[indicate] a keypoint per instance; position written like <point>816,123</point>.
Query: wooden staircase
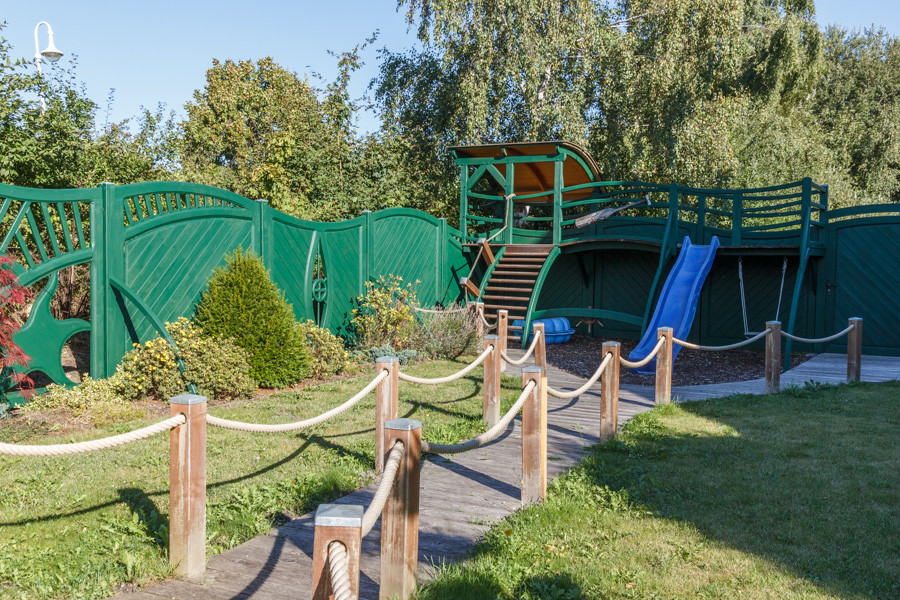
<point>512,282</point>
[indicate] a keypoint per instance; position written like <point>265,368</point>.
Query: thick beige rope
<point>488,436</point>
<point>646,359</point>
<point>281,427</point>
<point>820,340</point>
<point>388,478</point>
<point>759,335</point>
<point>339,569</point>
<point>459,374</point>
<point>440,310</point>
<point>487,325</point>
<point>89,446</point>
<point>586,386</point>
<point>522,360</point>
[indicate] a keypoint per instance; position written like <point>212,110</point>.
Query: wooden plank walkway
<point>462,495</point>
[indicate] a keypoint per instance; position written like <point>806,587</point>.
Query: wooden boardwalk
<point>462,495</point>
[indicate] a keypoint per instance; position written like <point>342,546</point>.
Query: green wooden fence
<point>151,248</point>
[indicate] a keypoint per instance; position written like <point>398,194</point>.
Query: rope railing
<point>520,361</point>
<point>587,385</point>
<point>486,437</point>
<point>305,424</point>
<point>734,346</point>
<point>388,478</point>
<point>830,338</point>
<point>458,375</point>
<point>640,363</point>
<point>487,324</point>
<point>436,311</point>
<point>92,445</point>
<point>339,570</point>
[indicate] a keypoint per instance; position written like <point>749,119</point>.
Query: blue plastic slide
<point>678,301</point>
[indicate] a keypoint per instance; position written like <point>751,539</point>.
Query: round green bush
<point>218,367</point>
<point>242,303</point>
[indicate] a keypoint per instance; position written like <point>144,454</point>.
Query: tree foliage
<point>705,92</point>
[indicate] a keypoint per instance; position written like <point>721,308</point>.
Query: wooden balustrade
<point>187,486</point>
<point>386,403</point>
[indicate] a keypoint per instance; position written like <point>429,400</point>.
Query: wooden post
<point>534,438</point>
<point>479,319</point>
<point>187,486</point>
<point>540,351</point>
<point>400,519</point>
<point>492,381</point>
<point>503,333</point>
<point>336,523</point>
<point>773,357</point>
<point>854,350</point>
<point>664,367</point>
<point>386,403</point>
<point>609,392</point>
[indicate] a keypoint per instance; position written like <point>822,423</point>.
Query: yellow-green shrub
<point>384,315</point>
<point>99,398</point>
<point>327,353</point>
<point>218,367</point>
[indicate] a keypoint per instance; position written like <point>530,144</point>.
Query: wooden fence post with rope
<point>609,392</point>
<point>187,486</point>
<point>479,319</point>
<point>492,380</point>
<point>534,437</point>
<point>503,332</point>
<point>773,357</point>
<point>540,351</point>
<point>400,519</point>
<point>664,367</point>
<point>339,524</point>
<point>386,403</point>
<point>854,349</point>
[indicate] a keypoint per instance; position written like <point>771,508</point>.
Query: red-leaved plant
<point>12,298</point>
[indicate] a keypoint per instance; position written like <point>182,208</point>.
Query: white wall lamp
<point>51,53</point>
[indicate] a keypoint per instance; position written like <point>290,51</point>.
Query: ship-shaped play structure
<point>546,238</point>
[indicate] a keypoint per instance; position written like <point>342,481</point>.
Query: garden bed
<point>581,355</point>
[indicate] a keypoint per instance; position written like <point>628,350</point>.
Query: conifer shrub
<point>243,304</point>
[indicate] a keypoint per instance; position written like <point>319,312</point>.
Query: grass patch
<point>79,526</point>
<point>789,496</point>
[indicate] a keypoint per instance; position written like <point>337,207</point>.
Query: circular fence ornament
<point>319,290</point>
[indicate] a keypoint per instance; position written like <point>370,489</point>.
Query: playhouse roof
<point>537,176</point>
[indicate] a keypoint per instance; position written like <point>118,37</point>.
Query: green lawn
<point>793,496</point>
<point>75,527</point>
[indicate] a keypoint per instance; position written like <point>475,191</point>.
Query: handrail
<point>91,445</point>
<point>388,478</point>
<point>488,436</point>
<point>835,336</point>
<point>282,427</point>
<point>520,361</point>
<point>339,570</point>
<point>638,364</point>
<point>587,385</point>
<point>458,375</point>
<point>734,346</point>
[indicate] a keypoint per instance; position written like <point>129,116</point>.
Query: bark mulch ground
<point>581,355</point>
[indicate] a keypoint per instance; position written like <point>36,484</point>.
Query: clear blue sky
<point>159,51</point>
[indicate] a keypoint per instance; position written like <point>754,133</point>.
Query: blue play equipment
<point>557,330</point>
<point>677,303</point>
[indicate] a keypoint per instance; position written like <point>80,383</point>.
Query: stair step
<point>501,288</point>
<point>520,265</point>
<point>517,273</point>
<point>501,297</point>
<point>500,280</point>
<point>503,306</point>
<point>523,259</point>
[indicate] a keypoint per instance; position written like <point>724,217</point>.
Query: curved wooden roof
<point>535,177</point>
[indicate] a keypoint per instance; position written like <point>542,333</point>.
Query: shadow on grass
<point>808,482</point>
